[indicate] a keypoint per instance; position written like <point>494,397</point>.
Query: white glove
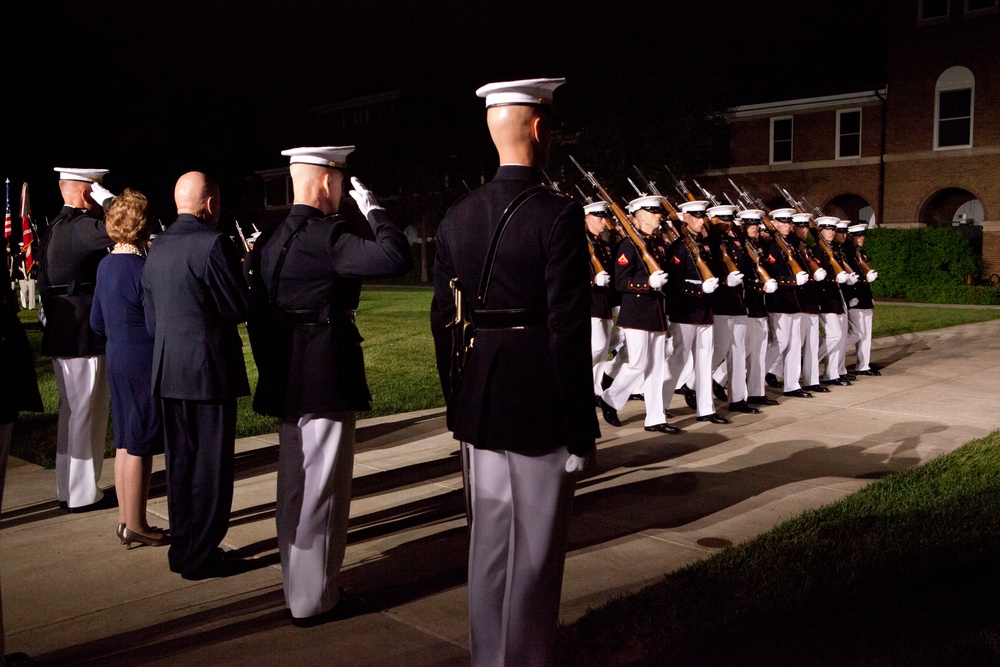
<point>771,286</point>
<point>99,193</point>
<point>852,279</point>
<point>842,277</point>
<point>581,463</point>
<point>734,279</point>
<point>710,285</point>
<point>363,196</point>
<point>871,276</point>
<point>853,303</point>
<point>657,279</point>
<point>602,279</point>
<point>820,274</point>
<point>801,278</point>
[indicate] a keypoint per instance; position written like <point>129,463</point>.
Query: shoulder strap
<point>515,204</point>
<point>272,296</point>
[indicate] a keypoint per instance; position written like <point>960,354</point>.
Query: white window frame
<point>791,140</point>
<point>980,12</point>
<point>934,19</point>
<point>840,112</point>
<point>954,78</point>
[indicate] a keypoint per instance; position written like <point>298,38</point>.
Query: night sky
<point>150,89</point>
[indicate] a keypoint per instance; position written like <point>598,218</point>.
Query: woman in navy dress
<point>118,314</point>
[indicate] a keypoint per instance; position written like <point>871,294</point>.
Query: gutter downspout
<point>881,160</point>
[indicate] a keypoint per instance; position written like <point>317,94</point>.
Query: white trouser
<point>315,467</point>
<point>645,369</point>
<point>27,293</point>
<point>756,344</point>
<point>784,350</point>
<point>730,332</point>
<point>810,349</point>
<point>600,339</point>
<point>84,400</point>
<point>844,325</point>
<point>860,337</point>
<point>522,503</point>
<point>831,348</point>
<point>694,341</point>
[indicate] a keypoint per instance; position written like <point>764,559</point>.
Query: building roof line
<point>807,103</point>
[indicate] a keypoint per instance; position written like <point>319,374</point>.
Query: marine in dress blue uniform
<point>73,246</point>
<point>195,297</point>
<point>603,296</point>
<point>831,307</point>
<point>809,299</point>
<point>305,278</point>
<point>860,302</point>
<point>525,405</point>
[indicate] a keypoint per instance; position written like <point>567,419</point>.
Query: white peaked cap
<point>780,213</point>
<point>827,221</point>
<point>857,229</point>
<point>325,156</point>
<point>802,217</point>
<point>651,201</point>
<point>524,91</point>
<point>597,207</point>
<point>750,214</point>
<point>85,175</point>
<point>721,209</point>
<point>842,226</point>
<point>693,206</point>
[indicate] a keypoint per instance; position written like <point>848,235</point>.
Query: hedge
<point>929,262</point>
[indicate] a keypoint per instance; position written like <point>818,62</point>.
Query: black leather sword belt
<point>321,316</point>
<point>520,318</point>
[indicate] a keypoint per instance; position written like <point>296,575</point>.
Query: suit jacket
<point>305,342</point>
<point>74,244</point>
<point>195,297</point>
<point>642,307</point>
<point>529,388</point>
<point>688,303</point>
<point>858,295</point>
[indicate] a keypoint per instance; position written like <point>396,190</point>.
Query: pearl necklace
<point>129,248</point>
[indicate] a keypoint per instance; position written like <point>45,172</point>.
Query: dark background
<point>151,89</point>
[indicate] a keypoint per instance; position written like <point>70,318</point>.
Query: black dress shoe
<point>871,372</point>
<point>637,397</point>
<point>220,565</point>
<point>691,398</point>
<point>663,428</point>
<point>715,418</point>
<point>836,383</point>
<point>348,605</point>
<point>610,414</point>
<point>719,391</point>
<point>798,393</point>
<point>744,407</point>
<point>761,400</point>
<point>818,388</point>
<point>107,502</point>
<point>849,377</point>
<point>772,380</point>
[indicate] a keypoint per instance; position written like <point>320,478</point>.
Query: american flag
<point>6,221</point>
<point>27,230</point>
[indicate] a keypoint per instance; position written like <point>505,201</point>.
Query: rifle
<point>842,263</point>
<point>703,268</point>
<point>243,239</point>
<point>814,230</point>
<point>651,264</point>
<point>793,264</point>
<point>748,246</point>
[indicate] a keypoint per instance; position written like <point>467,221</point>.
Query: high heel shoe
<point>121,532</point>
<point>128,537</point>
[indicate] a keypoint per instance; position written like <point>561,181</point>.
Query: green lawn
<point>399,355</point>
<point>903,572</point>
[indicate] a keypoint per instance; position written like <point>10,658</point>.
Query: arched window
<point>953,105</point>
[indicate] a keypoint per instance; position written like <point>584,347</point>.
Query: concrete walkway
<point>74,595</point>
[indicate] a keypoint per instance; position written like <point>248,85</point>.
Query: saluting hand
<point>99,193</point>
<point>364,197</point>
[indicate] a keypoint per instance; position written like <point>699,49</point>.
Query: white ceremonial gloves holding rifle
<point>602,279</point>
<point>734,279</point>
<point>853,278</point>
<point>842,277</point>
<point>657,279</point>
<point>364,197</point>
<point>99,193</point>
<point>820,274</point>
<point>710,285</point>
<point>801,278</point>
<point>871,276</point>
<point>771,286</point>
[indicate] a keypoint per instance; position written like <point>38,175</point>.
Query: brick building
<point>923,149</point>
